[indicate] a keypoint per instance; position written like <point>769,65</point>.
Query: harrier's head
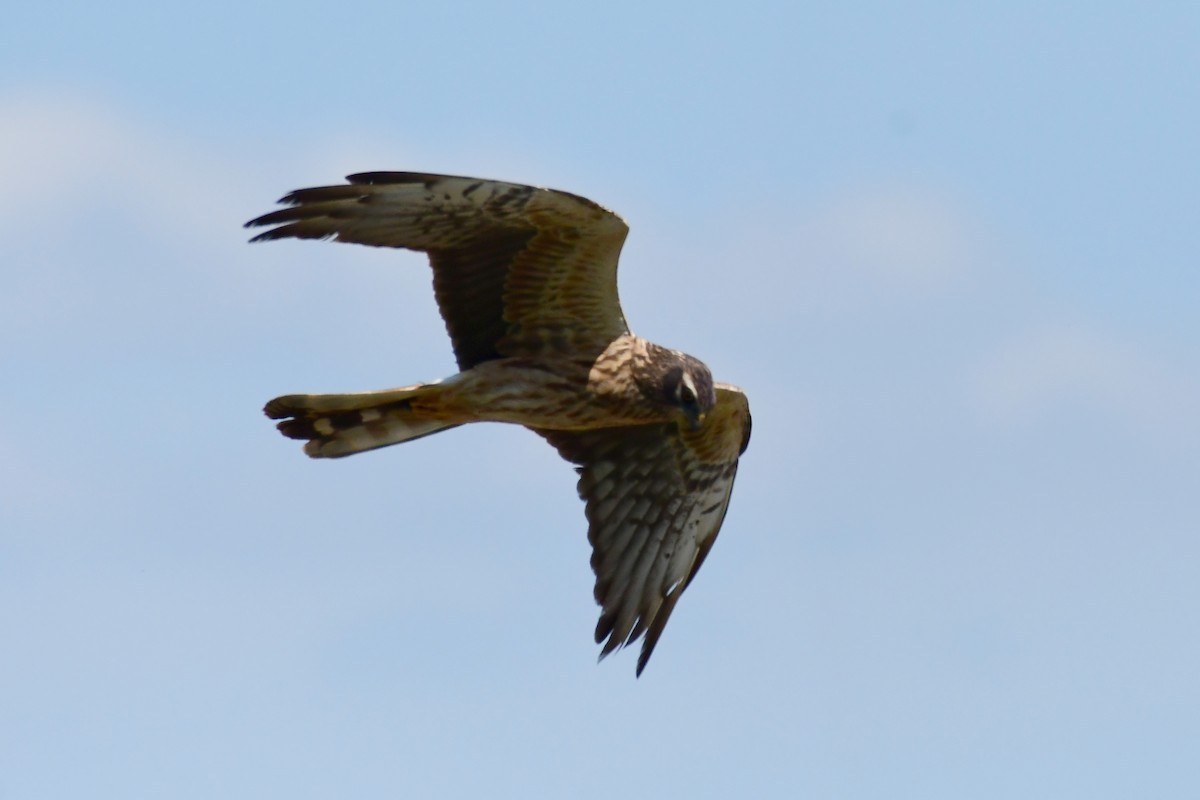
<point>686,384</point>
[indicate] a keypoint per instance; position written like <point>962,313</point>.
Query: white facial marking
<point>687,381</point>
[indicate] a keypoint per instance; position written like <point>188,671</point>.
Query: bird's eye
<point>686,396</point>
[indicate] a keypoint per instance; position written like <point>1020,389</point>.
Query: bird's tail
<point>336,425</point>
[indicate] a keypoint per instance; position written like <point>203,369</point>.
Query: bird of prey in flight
<point>526,281</point>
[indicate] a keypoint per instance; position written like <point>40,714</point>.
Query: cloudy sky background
<point>953,257</point>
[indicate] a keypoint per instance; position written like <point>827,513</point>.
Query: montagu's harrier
<point>526,280</point>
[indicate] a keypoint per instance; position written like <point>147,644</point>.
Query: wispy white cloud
<point>893,238</point>
<point>48,141</point>
<point>856,250</point>
<point>122,227</point>
<point>1075,369</point>
<point>102,209</point>
<point>60,150</point>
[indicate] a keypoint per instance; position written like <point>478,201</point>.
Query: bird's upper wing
<point>656,497</point>
<point>517,270</point>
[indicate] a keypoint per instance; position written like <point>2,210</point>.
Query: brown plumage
<point>525,279</point>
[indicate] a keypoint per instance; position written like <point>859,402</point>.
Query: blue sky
<point>950,254</point>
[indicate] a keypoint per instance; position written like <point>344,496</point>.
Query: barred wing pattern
<point>517,270</point>
<point>656,496</point>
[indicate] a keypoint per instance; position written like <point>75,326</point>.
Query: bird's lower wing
<point>656,497</point>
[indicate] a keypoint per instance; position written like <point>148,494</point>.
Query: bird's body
<point>526,281</point>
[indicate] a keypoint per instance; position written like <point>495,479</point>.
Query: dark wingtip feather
<point>603,628</point>
<point>259,221</point>
<point>270,218</point>
<point>302,229</point>
<point>289,214</point>
<point>303,204</point>
<point>283,406</point>
<point>655,631</point>
<point>265,236</point>
<point>647,650</point>
<point>301,429</point>
<point>372,178</point>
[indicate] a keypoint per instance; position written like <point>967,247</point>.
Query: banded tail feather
<point>337,425</point>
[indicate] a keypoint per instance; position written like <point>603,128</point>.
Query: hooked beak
<point>697,420</point>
